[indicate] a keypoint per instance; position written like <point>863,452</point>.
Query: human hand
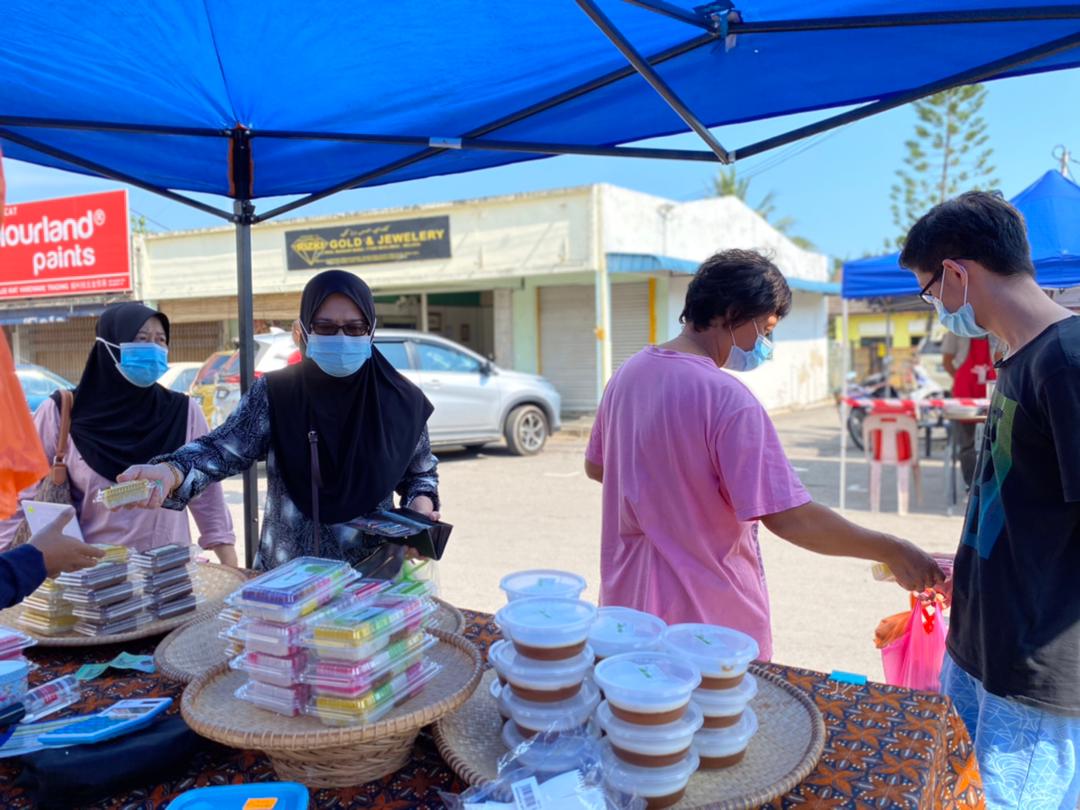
<point>162,475</point>
<point>425,506</point>
<point>914,569</point>
<point>63,554</point>
<point>226,555</point>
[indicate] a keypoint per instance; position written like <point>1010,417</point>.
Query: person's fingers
<point>130,474</point>
<point>92,552</point>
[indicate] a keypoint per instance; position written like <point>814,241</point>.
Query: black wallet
<point>406,527</point>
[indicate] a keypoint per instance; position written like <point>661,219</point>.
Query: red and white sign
<point>70,246</point>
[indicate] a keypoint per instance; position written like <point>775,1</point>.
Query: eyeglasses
<point>926,295</point>
<point>352,329</point>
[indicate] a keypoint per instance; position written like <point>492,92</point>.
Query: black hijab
<point>368,424</point>
<point>114,423</point>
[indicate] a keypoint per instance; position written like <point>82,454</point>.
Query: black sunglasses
<point>327,328</point>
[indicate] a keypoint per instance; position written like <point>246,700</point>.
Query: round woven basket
<point>302,749</point>
<point>197,647</point>
<point>212,583</point>
<point>786,749</point>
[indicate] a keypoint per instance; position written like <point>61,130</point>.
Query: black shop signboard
<point>402,240</point>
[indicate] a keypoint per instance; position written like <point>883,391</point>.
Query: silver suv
<point>476,402</point>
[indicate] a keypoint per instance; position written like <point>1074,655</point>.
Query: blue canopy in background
<point>1051,207</point>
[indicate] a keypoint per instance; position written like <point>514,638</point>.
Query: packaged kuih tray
<point>271,669</point>
<point>107,614</point>
<point>154,583</point>
<point>290,701</point>
<point>178,590</point>
<point>126,625</point>
<point>293,590</point>
<point>174,608</point>
<point>370,707</point>
<point>162,558</point>
<point>125,494</point>
<point>100,597</point>
<point>51,601</point>
<point>12,643</point>
<point>113,554</point>
<point>102,575</point>
<point>353,680</point>
<point>47,624</point>
<point>255,635</point>
<point>357,632</point>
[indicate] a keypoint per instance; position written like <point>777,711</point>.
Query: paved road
<point>512,513</point>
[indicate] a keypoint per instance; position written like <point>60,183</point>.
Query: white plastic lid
<point>547,623</point>
<point>725,742</point>
<point>543,676</point>
<point>620,630</point>
<point>648,682</point>
<point>12,670</point>
<point>727,702</point>
<point>557,754</point>
<point>654,741</point>
<point>565,715</point>
<point>719,652</point>
<point>648,783</point>
<point>542,582</point>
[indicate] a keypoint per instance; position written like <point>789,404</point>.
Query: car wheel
<point>526,430</point>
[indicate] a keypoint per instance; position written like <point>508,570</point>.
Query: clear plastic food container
<point>153,583</point>
<point>619,630</point>
<point>535,718</point>
<point>554,754</point>
<point>47,601</point>
<point>293,590</point>
<point>282,640</point>
<point>722,654</point>
<point>547,629</point>
<point>129,492</point>
<point>358,632</point>
<point>162,558</point>
<point>724,707</point>
<point>51,697</point>
<point>373,706</point>
<point>364,591</point>
<point>647,688</point>
<point>178,590</point>
<point>12,642</point>
<point>102,575</point>
<point>13,682</point>
<point>126,625</point>
<point>650,746</point>
<point>660,787</point>
<point>270,669</point>
<point>109,613</point>
<point>100,597</point>
<point>287,700</point>
<point>113,554</point>
<point>177,607</point>
<point>46,624</point>
<point>542,582</point>
<point>352,680</point>
<point>724,747</point>
<point>541,681</point>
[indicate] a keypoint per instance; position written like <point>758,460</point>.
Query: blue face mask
<point>339,355</point>
<point>962,322</point>
<point>141,364</point>
<point>742,360</point>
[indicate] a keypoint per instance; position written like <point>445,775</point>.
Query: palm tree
<point>727,183</point>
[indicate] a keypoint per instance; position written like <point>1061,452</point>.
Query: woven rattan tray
<point>197,647</point>
<point>212,582</point>
<point>304,750</point>
<point>785,750</point>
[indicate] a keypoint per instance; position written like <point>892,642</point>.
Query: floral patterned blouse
<point>287,532</point>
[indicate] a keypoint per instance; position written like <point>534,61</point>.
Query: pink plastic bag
<point>914,659</point>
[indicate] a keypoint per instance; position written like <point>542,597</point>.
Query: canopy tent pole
<point>845,365</point>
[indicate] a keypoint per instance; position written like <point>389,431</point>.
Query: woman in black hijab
<point>119,417</point>
<point>340,432</point>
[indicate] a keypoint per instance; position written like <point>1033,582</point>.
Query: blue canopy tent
<point>254,100</point>
<point>1051,208</point>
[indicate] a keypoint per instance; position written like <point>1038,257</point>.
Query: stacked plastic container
<point>368,655</point>
<point>104,600</point>
<point>46,612</point>
<point>722,656</point>
<point>544,664</point>
<point>164,575</point>
<point>271,610</point>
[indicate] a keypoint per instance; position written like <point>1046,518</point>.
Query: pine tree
<point>949,154</point>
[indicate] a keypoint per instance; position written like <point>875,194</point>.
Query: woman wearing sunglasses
<point>340,432</point>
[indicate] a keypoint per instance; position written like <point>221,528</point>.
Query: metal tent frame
<point>717,21</point>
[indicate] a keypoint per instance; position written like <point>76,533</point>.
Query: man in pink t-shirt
<point>690,462</point>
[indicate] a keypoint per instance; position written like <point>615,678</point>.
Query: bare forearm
<point>821,530</point>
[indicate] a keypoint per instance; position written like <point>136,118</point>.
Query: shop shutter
<point>629,321</point>
<point>194,342</point>
<point>568,344</point>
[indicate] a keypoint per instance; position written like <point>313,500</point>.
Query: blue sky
<point>836,186</point>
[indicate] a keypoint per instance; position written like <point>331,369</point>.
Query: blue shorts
<point>1029,758</point>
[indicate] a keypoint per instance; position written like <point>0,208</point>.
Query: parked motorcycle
<point>878,386</point>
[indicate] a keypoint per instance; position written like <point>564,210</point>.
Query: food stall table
<point>885,746</point>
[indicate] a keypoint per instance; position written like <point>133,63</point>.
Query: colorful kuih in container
<point>374,705</point>
<point>293,590</point>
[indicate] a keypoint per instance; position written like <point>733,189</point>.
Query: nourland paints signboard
<point>68,246</point>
